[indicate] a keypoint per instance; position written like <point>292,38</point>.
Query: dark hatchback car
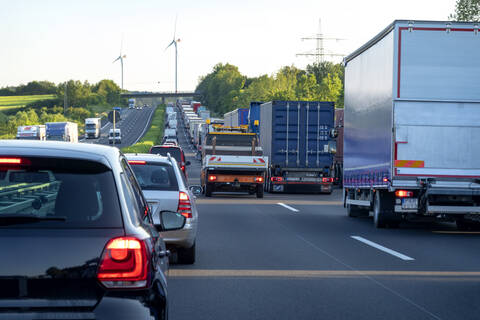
<point>174,151</point>
<point>76,236</point>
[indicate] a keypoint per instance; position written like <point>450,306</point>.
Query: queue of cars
<point>93,241</point>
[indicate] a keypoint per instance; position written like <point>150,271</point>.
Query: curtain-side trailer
<point>412,124</point>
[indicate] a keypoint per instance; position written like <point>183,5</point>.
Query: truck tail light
<point>212,178</point>
<point>123,264</point>
<point>403,194</point>
<point>327,179</point>
<point>184,205</point>
<point>258,179</point>
<point>276,179</point>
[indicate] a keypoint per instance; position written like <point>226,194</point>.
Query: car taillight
<point>212,178</point>
<point>278,179</point>
<point>403,194</point>
<point>183,168</point>
<point>327,179</point>
<point>124,264</point>
<point>184,205</point>
<point>258,179</point>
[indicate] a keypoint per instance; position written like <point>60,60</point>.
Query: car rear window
<point>155,176</point>
<point>163,151</point>
<point>57,193</point>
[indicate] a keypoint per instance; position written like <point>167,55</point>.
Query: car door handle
<point>165,253</point>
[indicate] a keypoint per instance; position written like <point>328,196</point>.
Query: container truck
<point>33,132</point>
<point>62,131</point>
<point>338,156</point>
<point>236,118</point>
<point>412,125</point>
<point>92,128</point>
<point>254,117</point>
<point>131,103</point>
<point>298,138</point>
<point>204,114</point>
<point>195,105</point>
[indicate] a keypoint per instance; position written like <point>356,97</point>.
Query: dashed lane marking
<point>287,206</point>
<point>382,248</point>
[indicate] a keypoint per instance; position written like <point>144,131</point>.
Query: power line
<point>320,52</point>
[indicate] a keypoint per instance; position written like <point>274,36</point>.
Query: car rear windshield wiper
<point>9,219</point>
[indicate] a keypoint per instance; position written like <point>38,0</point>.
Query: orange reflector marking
<point>409,164</point>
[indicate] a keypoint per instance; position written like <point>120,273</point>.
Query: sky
<point>59,40</point>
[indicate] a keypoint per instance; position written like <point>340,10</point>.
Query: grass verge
<point>153,136</point>
<point>16,102</point>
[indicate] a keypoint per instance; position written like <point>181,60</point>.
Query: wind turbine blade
<point>175,28</point>
<point>173,42</point>
<point>119,57</point>
<point>121,45</point>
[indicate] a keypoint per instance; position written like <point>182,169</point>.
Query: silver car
<point>164,186</point>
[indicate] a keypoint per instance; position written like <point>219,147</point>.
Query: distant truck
<point>92,128</point>
<point>298,138</point>
<point>233,162</point>
<point>62,131</point>
<point>338,156</point>
<point>412,125</point>
<point>33,132</point>
<point>119,113</point>
<point>131,103</point>
<point>236,118</point>
<point>254,117</point>
<point>115,136</point>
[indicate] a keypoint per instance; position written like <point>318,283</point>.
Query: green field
<point>16,102</point>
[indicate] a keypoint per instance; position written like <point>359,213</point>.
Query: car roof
<point>88,151</point>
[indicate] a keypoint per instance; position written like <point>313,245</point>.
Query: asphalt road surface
<point>133,124</point>
<point>293,256</point>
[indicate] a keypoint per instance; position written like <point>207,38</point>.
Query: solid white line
<point>288,207</point>
<point>382,248</point>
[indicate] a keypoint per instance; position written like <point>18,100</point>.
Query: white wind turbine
<point>121,57</point>
<point>174,42</point>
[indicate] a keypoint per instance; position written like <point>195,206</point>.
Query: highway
<point>133,124</point>
<point>294,256</point>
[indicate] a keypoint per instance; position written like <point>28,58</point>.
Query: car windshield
<point>156,176</point>
<point>58,193</point>
<point>163,151</point>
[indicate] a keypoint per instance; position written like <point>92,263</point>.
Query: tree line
<point>84,100</point>
<point>225,88</point>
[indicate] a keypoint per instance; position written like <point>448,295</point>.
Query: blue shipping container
<point>242,116</point>
<point>296,134</point>
<point>253,115</point>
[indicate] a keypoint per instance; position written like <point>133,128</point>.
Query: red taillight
<point>124,264</point>
<point>137,162</point>
<point>278,179</point>
<point>327,179</point>
<point>184,205</point>
<point>403,194</point>
<point>385,179</point>
<point>258,179</point>
<point>183,168</point>
<point>10,161</point>
<point>212,178</point>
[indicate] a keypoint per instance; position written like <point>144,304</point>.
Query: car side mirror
<point>170,220</point>
<point>187,163</point>
<point>196,190</point>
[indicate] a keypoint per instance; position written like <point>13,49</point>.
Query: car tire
<point>208,190</point>
<point>186,255</point>
<point>259,191</point>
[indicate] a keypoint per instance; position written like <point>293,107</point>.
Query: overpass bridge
<point>163,95</point>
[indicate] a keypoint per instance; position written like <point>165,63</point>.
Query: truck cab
<point>115,136</point>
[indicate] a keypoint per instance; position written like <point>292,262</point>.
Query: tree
<point>466,10</point>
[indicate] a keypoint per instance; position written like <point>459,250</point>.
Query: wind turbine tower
<point>121,57</point>
<point>174,42</point>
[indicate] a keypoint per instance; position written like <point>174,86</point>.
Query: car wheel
<point>208,190</point>
<point>186,255</point>
<point>259,191</point>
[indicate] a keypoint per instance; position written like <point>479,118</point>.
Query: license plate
<point>410,203</point>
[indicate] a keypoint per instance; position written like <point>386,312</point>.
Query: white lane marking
<point>146,126</point>
<point>382,248</point>
<point>288,207</point>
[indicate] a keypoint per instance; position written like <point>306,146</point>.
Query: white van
<point>115,139</point>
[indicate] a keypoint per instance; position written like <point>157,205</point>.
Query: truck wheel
<point>383,210</point>
<point>465,224</point>
<point>208,189</point>
<point>259,191</point>
<point>186,255</point>
<point>354,211</point>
